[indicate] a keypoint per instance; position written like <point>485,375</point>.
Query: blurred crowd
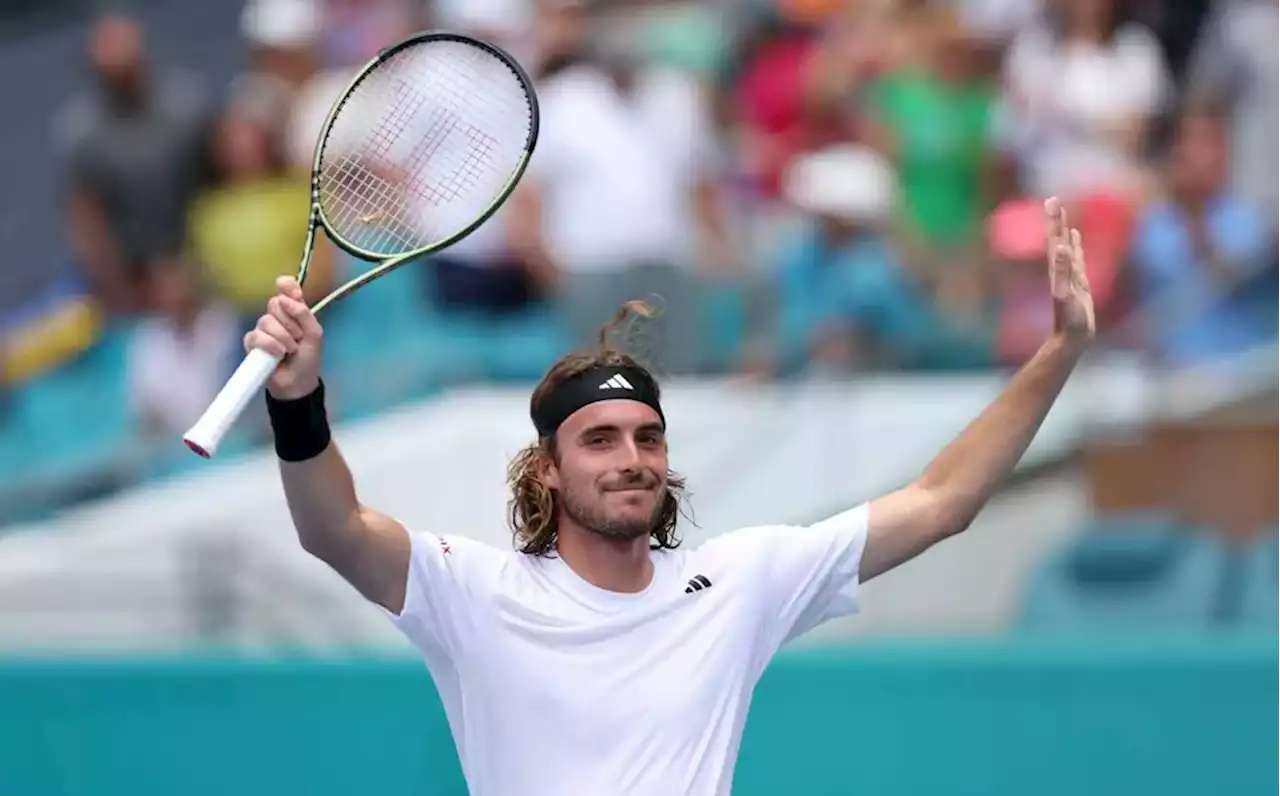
<point>808,186</point>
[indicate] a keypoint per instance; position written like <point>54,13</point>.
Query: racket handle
<point>246,383</point>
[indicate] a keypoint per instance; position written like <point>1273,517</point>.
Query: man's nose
<point>629,457</point>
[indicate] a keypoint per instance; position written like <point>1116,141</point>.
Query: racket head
<point>424,145</point>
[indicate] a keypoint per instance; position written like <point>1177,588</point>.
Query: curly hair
<point>532,506</point>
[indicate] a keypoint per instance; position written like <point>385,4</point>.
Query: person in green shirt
<point>932,117</point>
<point>935,115</point>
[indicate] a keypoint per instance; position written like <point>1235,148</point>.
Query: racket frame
<point>255,370</point>
<point>389,264</point>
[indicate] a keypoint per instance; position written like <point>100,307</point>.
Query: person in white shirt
<point>1080,96</point>
<point>181,354</point>
<point>600,657</point>
<point>617,201</point>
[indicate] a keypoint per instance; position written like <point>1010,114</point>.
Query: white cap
<point>280,23</point>
<point>509,18</point>
<point>852,183</point>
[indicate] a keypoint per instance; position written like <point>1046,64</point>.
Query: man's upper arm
<point>429,581</point>
<point>379,567</point>
<point>900,526</point>
<point>799,576</point>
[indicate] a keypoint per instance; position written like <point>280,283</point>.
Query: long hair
<point>533,505</point>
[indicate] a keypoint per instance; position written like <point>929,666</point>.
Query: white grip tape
<point>243,386</point>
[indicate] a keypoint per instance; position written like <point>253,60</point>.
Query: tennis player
<point>599,658</point>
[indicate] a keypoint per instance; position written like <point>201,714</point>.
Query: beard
<point>590,514</point>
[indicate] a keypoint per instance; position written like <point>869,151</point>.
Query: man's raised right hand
<point>289,329</point>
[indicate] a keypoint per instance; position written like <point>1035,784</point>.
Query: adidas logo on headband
<point>617,382</point>
<point>600,383</point>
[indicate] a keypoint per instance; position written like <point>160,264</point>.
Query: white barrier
<point>212,557</point>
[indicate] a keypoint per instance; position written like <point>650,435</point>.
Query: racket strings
<point>374,202</point>
<point>422,146</point>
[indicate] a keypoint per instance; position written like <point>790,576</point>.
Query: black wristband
<point>300,425</point>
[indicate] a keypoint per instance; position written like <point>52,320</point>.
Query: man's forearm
<point>969,470</point>
<point>322,501</point>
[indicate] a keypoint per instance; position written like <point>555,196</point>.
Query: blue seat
<point>76,415</point>
<point>68,434</point>
<point>1125,572</point>
<point>723,312</point>
<point>1260,582</point>
<point>521,347</point>
<point>376,347</point>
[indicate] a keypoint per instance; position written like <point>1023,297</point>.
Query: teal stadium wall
<point>990,718</point>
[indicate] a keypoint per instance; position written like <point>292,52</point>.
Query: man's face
<point>559,27</point>
<point>117,54</point>
<point>1200,155</point>
<point>611,471</point>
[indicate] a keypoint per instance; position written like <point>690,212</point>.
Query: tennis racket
<point>425,144</point>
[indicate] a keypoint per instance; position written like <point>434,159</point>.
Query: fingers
<point>1061,268</point>
<point>1055,220</point>
<point>271,336</point>
<point>281,308</point>
<point>287,323</point>
<point>1078,270</point>
<point>299,316</point>
<point>288,286</point>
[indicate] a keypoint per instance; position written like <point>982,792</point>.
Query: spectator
<point>1080,95</point>
<point>932,119</point>
<point>1235,65</point>
<point>182,354</point>
<point>249,225</point>
<point>776,124</point>
<point>1196,252</point>
<point>845,302</point>
<point>282,37</point>
<point>670,103</point>
<point>355,30</point>
<point>995,23</point>
<point>131,150</point>
<point>350,33</point>
<point>506,23</point>
<point>601,214</point>
<point>480,277</point>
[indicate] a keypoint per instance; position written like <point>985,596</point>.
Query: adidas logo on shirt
<point>697,583</point>
<point>617,383</point>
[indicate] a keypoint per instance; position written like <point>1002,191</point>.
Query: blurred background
<point>838,204</point>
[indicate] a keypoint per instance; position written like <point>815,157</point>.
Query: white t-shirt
<point>554,686</point>
<point>1058,95</point>
<point>173,376</point>
<point>611,195</point>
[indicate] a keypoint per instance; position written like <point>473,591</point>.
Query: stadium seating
<point>1260,581</point>
<point>388,346</point>
<point>1129,571</point>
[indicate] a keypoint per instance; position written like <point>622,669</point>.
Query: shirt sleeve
<point>800,576</point>
<point>448,575</point>
<point>1239,236</point>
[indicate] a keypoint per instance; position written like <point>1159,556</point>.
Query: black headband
<point>597,384</point>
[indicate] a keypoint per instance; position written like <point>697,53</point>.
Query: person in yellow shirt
<point>253,218</point>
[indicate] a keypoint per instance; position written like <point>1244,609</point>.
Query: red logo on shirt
<point>444,547</point>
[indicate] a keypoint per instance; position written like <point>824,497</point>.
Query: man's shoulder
<point>741,544</point>
<point>451,544</point>
<point>76,121</point>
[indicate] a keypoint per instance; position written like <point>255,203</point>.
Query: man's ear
<point>548,472</point>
